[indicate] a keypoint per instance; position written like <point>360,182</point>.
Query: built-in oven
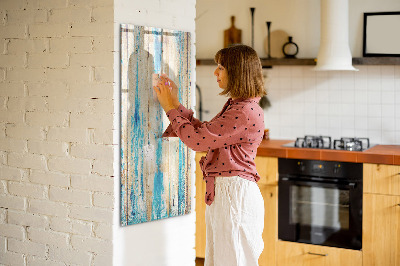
<point>320,202</point>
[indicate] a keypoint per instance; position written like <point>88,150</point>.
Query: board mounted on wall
<point>155,171</point>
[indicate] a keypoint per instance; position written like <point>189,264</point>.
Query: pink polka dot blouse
<point>231,139</point>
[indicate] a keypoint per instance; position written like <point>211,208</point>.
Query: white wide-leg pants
<point>234,223</point>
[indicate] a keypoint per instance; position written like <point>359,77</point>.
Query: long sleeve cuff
<point>169,132</point>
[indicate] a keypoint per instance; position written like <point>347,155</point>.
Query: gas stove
<point>325,142</point>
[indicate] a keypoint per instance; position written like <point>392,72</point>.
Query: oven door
<point>321,212</point>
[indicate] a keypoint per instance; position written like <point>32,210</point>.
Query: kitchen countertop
<point>379,154</point>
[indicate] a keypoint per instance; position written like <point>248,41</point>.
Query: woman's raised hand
<point>164,94</point>
<point>174,89</point>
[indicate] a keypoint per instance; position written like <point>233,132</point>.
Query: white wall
<point>170,241</point>
<point>338,104</point>
<point>56,119</point>
<point>299,18</point>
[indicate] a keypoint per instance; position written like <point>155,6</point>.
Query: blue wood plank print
<point>155,171</point>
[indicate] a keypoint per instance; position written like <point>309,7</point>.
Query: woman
<point>235,207</point>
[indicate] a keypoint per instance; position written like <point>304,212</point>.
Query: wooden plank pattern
<point>381,179</point>
<point>155,171</point>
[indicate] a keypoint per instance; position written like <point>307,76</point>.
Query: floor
<point>199,262</point>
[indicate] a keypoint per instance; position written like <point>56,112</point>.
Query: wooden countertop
<point>379,154</point>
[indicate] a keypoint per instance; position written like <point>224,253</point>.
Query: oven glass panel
<point>317,208</point>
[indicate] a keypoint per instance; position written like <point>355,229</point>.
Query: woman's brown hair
<point>245,78</point>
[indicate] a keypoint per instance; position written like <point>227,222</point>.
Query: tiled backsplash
<point>338,104</point>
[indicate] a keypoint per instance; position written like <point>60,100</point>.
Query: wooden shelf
<point>312,61</point>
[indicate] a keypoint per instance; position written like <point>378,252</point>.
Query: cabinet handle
<point>318,254</point>
<point>398,204</point>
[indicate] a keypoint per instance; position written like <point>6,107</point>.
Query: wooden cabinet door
<point>267,168</point>
<point>381,179</point>
<point>200,209</point>
<point>270,233</point>
<point>381,230</point>
<point>298,254</point>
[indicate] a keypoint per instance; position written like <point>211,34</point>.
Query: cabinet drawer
<point>267,168</point>
<point>381,179</point>
<point>294,254</point>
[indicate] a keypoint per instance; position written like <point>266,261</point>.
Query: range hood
<point>334,51</point>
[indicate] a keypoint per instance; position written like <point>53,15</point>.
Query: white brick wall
<point>56,127</point>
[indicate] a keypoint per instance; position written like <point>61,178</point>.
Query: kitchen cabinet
<point>298,254</point>
<point>200,209</point>
<point>381,179</point>
<point>267,167</point>
<point>381,215</point>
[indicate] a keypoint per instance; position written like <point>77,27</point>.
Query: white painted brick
<point>94,214</point>
<point>12,4</point>
<point>103,231</point>
<point>71,44</point>
<point>20,46</point>
<point>48,147</point>
<point>49,178</point>
<point>26,74</point>
<point>3,188</point>
<point>33,103</point>
<point>103,259</point>
<point>71,226</point>
<point>12,117</point>
<point>70,165</point>
<point>27,190</point>
<point>26,16</point>
<point>12,89</point>
<point>48,30</point>
<point>12,202</point>
<point>47,207</point>
<point>52,60</point>
<point>95,59</point>
<point>103,136</point>
<point>103,200</point>
<point>10,173</point>
<point>36,261</point>
<point>101,2</point>
<point>3,157</point>
<point>91,90</point>
<point>3,211</point>
<point>69,256</point>
<point>47,119</point>
<point>3,245</point>
<point>12,259</point>
<point>12,230</point>
<point>80,105</point>
<point>27,160</point>
<point>92,29</point>
<point>79,197</point>
<point>27,247</point>
<point>103,43</point>
<point>102,14</point>
<point>13,31</point>
<point>71,14</point>
<point>2,74</point>
<point>91,244</point>
<point>48,88</point>
<point>67,134</point>
<point>93,151</point>
<point>103,74</point>
<point>91,121</point>
<point>75,74</point>
<point>28,219</point>
<point>48,237</point>
<point>102,168</point>
<point>92,183</point>
<point>49,4</point>
<point>23,132</point>
<point>11,60</point>
<point>92,3</point>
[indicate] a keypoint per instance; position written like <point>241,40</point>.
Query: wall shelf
<point>312,61</point>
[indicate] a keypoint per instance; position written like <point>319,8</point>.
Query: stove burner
<point>308,141</point>
<point>351,144</point>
